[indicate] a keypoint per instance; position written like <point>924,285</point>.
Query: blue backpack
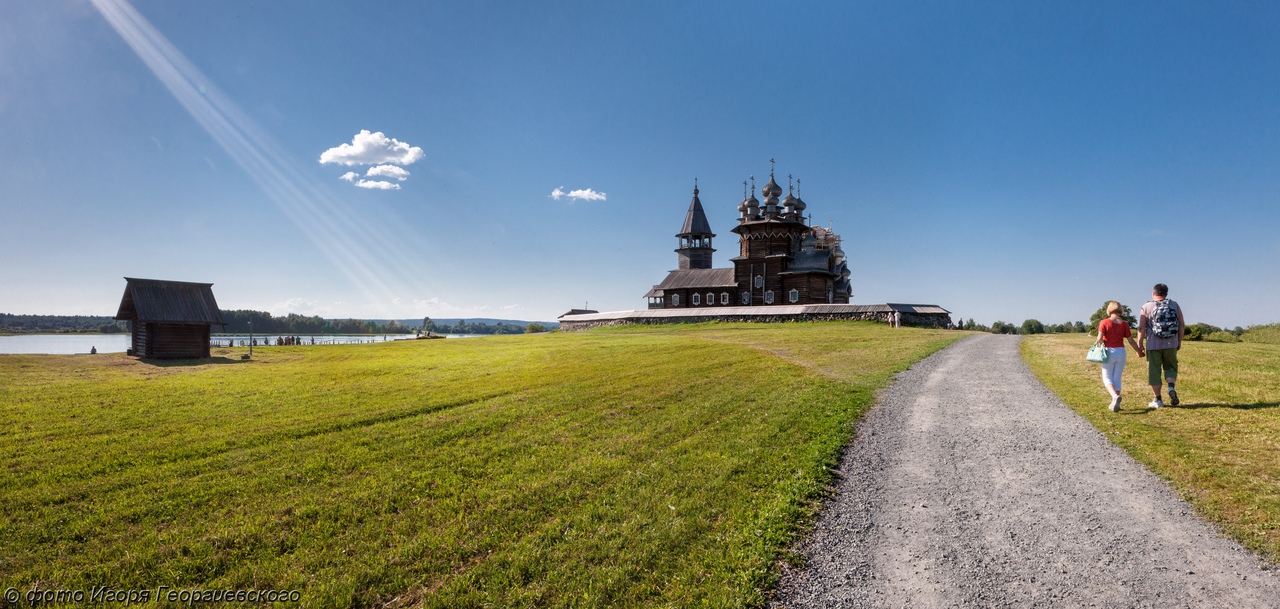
<point>1164,320</point>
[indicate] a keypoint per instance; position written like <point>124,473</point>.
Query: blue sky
<point>1007,160</point>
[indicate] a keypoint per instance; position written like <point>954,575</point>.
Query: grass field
<point>1220,448</point>
<point>656,466</point>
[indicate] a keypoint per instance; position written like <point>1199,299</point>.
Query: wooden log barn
<point>170,319</point>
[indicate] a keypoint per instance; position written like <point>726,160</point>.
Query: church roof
<point>695,222</point>
<point>698,278</point>
<point>810,260</point>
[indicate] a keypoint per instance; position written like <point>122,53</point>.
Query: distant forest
<point>30,324</point>
<point>265,323</point>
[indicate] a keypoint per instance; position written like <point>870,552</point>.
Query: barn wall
<point>140,338</point>
<point>179,341</point>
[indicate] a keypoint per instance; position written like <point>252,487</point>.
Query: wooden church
<point>781,260</point>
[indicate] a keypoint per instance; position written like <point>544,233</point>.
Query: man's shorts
<point>1161,359</point>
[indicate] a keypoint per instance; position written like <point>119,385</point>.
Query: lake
<point>66,344</point>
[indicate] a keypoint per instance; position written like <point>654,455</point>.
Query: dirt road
<point>971,485</point>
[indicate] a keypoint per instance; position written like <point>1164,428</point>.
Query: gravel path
<point>971,485</point>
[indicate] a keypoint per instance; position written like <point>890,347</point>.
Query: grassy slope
<point>620,467</point>
<point>1220,448</point>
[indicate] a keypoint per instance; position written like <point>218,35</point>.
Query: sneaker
<point>1173,397</point>
<point>1156,403</point>
<point>1115,404</point>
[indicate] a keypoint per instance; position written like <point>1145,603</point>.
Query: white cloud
<point>377,185</point>
<point>585,194</point>
<point>349,176</point>
<point>372,149</point>
<point>301,306</point>
<point>388,171</point>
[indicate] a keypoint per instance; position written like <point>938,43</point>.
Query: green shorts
<point>1161,359</point>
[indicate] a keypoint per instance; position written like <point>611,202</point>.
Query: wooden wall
<point>170,341</point>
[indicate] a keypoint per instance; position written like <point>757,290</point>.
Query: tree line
<point>462,327</point>
<point>1197,331</point>
<point>58,324</point>
<point>299,325</point>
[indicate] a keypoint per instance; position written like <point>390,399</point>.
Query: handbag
<point>1097,354</point>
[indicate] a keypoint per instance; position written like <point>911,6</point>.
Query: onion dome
<point>799,205</point>
<point>789,204</point>
<point>771,190</point>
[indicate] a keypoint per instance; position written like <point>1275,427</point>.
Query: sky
<point>1005,160</point>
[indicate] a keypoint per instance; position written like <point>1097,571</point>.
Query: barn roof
<point>157,300</point>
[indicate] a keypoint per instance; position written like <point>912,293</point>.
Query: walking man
<point>1160,330</point>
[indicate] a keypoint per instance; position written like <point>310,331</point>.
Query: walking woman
<point>1112,331</point>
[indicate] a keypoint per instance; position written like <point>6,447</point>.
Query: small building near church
<point>170,319</point>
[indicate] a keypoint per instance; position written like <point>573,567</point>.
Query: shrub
<point>1222,337</point>
<point>1031,326</point>
<point>1268,333</point>
<point>1200,331</point>
<point>534,328</point>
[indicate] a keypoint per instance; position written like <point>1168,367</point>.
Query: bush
<point>1200,331</point>
<point>534,328</point>
<point>1222,337</point>
<point>1268,333</point>
<point>1000,327</point>
<point>1031,326</point>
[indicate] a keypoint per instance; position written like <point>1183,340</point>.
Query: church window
<point>759,281</point>
<point>794,295</point>
<point>675,300</point>
<point>746,298</point>
<point>724,298</point>
<point>711,298</point>
<point>768,297</point>
<point>694,299</point>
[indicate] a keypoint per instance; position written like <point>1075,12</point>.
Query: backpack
<point>1164,320</point>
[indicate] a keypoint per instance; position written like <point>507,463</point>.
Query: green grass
<point>640,466</point>
<point>1220,448</point>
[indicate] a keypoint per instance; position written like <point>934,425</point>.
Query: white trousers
<point>1114,368</point>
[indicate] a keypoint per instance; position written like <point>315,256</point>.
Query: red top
<point>1114,333</point>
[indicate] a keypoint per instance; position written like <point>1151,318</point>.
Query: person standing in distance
<point>1160,330</point>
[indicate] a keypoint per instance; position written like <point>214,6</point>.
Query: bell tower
<point>695,237</point>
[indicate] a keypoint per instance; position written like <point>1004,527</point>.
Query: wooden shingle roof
<point>697,279</point>
<point>155,300</point>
